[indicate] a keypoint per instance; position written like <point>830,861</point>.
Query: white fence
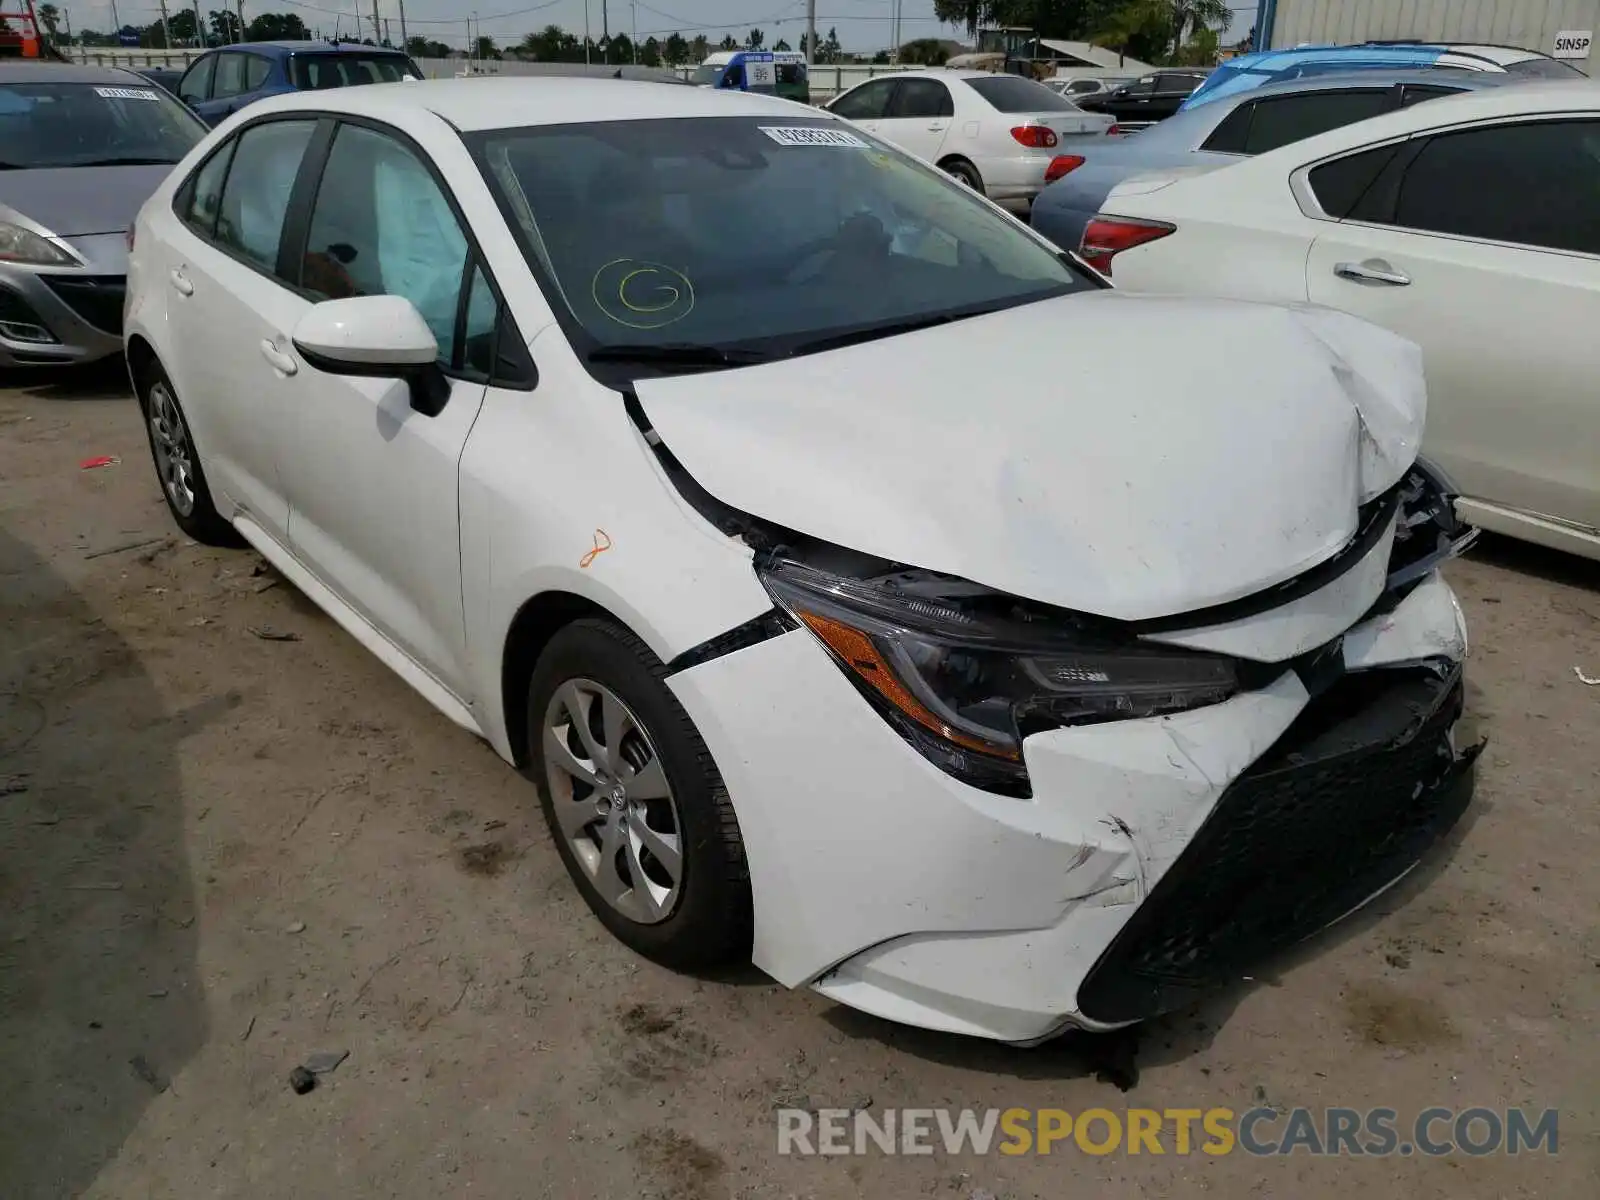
<point>826,81</point>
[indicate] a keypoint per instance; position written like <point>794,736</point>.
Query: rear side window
<point>256,71</point>
<point>314,72</point>
<point>921,98</point>
<point>1416,93</point>
<point>1339,185</point>
<point>1229,136</point>
<point>1177,83</point>
<point>256,196</point>
<point>1535,183</point>
<point>1014,94</point>
<point>1280,120</point>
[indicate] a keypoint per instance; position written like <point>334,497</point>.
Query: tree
<point>181,26</point>
<point>781,46</point>
<point>1189,17</point>
<point>925,52</point>
<point>699,49</point>
<point>277,27</point>
<point>754,40</point>
<point>224,25</point>
<point>650,53</point>
<point>832,50</point>
<point>881,58</point>
<point>484,47</point>
<point>727,42</point>
<point>1141,29</point>
<point>50,17</point>
<point>676,50</point>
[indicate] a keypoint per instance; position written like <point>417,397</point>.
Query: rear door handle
<point>181,284</point>
<point>1374,270</point>
<point>279,360</point>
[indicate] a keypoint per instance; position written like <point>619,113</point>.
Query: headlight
<point>21,245</point>
<point>965,682</point>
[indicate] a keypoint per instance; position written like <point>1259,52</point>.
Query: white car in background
<point>998,134</point>
<point>616,421</point>
<point>1471,225</point>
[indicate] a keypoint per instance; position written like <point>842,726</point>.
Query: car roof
<point>50,72</point>
<point>510,101</point>
<point>309,47</point>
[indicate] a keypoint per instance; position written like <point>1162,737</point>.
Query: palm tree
<point>1190,16</point>
<point>49,16</point>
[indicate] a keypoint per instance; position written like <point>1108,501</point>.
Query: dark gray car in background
<point>81,149</point>
<point>1247,123</point>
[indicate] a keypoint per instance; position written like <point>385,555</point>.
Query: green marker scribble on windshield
<point>642,295</point>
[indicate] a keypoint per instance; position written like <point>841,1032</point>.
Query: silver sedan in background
<point>1244,124</point>
<point>81,149</point>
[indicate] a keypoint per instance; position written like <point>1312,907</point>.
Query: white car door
<point>918,117</point>
<point>372,483</point>
<point>866,104</point>
<point>1483,246</point>
<point>226,296</point>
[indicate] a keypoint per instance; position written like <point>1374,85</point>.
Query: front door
<point>371,482</point>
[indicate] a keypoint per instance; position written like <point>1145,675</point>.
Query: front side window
<point>1014,94</point>
<point>758,236</point>
<point>382,226</point>
<point>921,99</point>
<point>1535,183</point>
<point>256,195</point>
<point>196,83</point>
<point>230,76</point>
<point>865,103</point>
<point>314,72</point>
<point>92,125</point>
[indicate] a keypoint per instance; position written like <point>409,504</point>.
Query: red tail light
<point>1106,237</point>
<point>1115,131</point>
<point>1062,164</point>
<point>1035,137</point>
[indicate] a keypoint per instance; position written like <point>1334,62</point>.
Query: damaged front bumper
<point>1155,858</point>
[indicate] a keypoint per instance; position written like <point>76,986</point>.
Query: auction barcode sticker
<point>810,135</point>
<point>114,93</point>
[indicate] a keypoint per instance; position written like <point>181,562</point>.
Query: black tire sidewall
<point>711,924</point>
<point>965,173</point>
<point>205,524</point>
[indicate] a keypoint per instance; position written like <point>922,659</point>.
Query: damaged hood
<point>1127,456</point>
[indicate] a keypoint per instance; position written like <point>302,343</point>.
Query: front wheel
<point>639,813</point>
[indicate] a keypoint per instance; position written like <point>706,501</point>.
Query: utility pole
<point>811,35</point>
<point>586,38</point>
<point>404,40</point>
<point>605,22</point>
<point>240,4</point>
<point>199,28</point>
<point>115,20</point>
<point>377,27</point>
<point>635,7</point>
<point>166,33</point>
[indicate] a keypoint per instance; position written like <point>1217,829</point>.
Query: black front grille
<point>1346,801</point>
<point>97,299</point>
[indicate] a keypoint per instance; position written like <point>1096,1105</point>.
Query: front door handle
<point>1373,270</point>
<point>279,360</point>
<point>180,283</point>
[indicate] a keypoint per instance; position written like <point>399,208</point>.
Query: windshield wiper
<point>122,162</point>
<point>677,354</point>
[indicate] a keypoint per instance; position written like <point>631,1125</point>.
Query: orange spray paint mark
<point>602,543</point>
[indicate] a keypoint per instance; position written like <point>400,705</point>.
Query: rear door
<point>1483,245</point>
<point>918,117</point>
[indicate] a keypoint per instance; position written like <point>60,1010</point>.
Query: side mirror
<point>375,337</point>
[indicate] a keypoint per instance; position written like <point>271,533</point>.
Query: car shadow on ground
<point>94,381</point>
<point>100,998</point>
<point>1117,1058</point>
<point>1552,566</point>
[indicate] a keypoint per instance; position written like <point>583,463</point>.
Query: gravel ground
<point>221,852</point>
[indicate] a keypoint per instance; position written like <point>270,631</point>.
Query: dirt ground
<point>222,852</point>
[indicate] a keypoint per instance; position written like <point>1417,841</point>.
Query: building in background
<point>1562,28</point>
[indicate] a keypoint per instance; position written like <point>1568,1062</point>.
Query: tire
<point>964,172</point>
<point>703,917</point>
<point>178,470</point>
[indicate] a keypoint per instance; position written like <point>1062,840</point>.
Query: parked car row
<point>714,460</point>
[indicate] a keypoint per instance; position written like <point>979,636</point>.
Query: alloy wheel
<point>174,452</point>
<point>612,801</point>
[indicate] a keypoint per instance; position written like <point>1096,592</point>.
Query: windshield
<point>744,235</point>
<point>706,76</point>
<point>313,72</point>
<point>1014,94</point>
<point>81,124</point>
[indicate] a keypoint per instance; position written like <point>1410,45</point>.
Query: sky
<point>863,25</point>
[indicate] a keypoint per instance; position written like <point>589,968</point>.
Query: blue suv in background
<point>221,82</point>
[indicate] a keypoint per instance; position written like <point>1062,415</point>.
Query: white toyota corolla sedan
<point>866,588</point>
